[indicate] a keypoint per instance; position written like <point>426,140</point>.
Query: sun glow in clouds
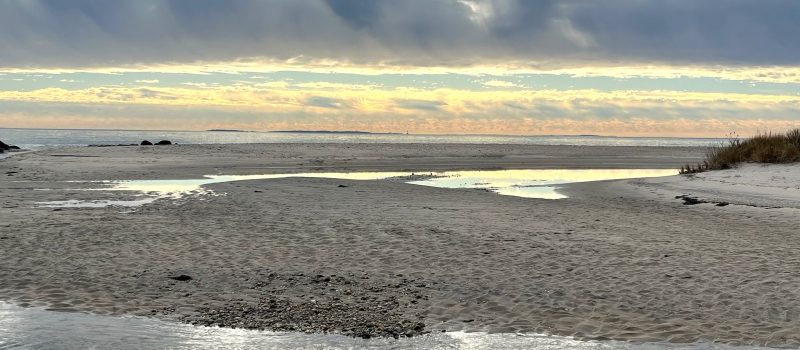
<point>468,66</point>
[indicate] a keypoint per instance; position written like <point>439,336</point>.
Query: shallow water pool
<point>535,183</point>
<point>32,328</point>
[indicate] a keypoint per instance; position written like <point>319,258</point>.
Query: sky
<point>531,67</point>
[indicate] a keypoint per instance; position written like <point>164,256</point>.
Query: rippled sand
<point>622,260</point>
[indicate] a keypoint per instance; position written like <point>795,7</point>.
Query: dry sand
<point>618,259</point>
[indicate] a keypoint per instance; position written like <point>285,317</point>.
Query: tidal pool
<point>536,183</point>
<point>33,328</point>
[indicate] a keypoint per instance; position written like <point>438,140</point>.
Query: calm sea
<point>42,138</point>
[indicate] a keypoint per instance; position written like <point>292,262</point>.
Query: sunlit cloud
<point>701,68</point>
<point>443,110</point>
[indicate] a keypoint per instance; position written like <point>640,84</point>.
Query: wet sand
<point>622,260</point>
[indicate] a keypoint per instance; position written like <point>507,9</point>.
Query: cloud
<point>679,122</point>
<point>324,102</point>
<point>421,105</point>
<point>499,84</point>
<point>91,33</point>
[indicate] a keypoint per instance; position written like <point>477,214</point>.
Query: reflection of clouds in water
<point>519,183</point>
<point>36,328</point>
<point>543,192</point>
<point>534,183</point>
<point>73,203</point>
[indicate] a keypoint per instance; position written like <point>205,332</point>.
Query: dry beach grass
<point>762,148</point>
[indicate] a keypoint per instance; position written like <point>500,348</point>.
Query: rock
<point>182,278</point>
<point>14,147</point>
<point>342,186</point>
<point>163,143</point>
<point>687,200</point>
<point>4,147</point>
<point>146,143</point>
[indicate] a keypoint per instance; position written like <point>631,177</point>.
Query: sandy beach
<point>624,260</point>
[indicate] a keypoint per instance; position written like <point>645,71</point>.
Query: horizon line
<point>369,133</point>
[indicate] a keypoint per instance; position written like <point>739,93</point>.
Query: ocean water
<point>40,138</point>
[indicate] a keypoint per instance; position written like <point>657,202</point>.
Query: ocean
<point>45,138</point>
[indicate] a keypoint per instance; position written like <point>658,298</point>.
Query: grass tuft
<point>762,148</point>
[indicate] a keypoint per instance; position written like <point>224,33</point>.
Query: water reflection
<point>520,183</point>
<point>39,329</point>
<point>534,183</point>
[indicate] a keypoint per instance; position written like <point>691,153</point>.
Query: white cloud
<point>500,84</point>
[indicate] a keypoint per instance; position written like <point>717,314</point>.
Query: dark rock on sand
<point>14,147</point>
<point>182,278</point>
<point>146,143</point>
<point>4,147</point>
<point>688,200</point>
<point>163,143</point>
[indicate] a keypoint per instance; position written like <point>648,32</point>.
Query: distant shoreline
<point>335,132</point>
<point>227,130</point>
<point>372,133</point>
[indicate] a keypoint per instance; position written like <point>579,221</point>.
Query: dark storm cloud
<point>359,13</point>
<point>86,33</point>
<point>717,30</point>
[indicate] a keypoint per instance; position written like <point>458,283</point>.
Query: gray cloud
<point>86,33</point>
<point>419,105</point>
<point>325,102</point>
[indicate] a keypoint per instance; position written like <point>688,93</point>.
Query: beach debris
<point>342,186</point>
<point>182,278</point>
<point>688,200</point>
<point>163,143</point>
<point>311,303</point>
<point>146,143</point>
